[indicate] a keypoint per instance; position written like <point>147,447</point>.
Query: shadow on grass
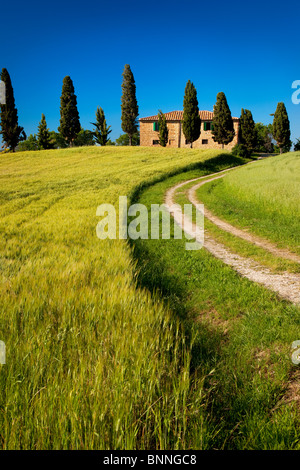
<point>212,165</point>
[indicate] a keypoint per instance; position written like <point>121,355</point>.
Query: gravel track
<point>286,285</point>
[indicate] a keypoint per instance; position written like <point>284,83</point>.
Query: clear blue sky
<point>248,51</point>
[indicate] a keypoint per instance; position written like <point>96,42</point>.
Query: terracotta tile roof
<point>177,116</point>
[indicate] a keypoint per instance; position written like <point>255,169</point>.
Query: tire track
<point>227,227</point>
<point>286,285</point>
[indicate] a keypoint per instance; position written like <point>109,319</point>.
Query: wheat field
<point>93,361</point>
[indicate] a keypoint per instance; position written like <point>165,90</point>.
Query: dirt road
<point>286,285</point>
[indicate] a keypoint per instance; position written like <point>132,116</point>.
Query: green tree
<point>163,129</point>
<point>11,132</point>
<point>223,130</point>
<point>129,104</point>
<point>240,150</point>
<point>43,136</point>
<point>247,134</point>
<point>281,128</point>
<point>297,145</point>
<point>31,143</point>
<point>69,117</point>
<point>264,136</point>
<point>124,139</point>
<point>191,121</point>
<point>102,130</point>
<point>84,138</point>
<point>57,140</point>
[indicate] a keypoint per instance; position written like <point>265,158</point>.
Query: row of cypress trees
<point>222,127</point>
<point>69,127</point>
<point>280,129</point>
<point>222,130</point>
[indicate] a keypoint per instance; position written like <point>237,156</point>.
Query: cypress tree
<point>247,133</point>
<point>163,129</point>
<point>281,127</point>
<point>11,132</point>
<point>129,104</point>
<point>102,130</point>
<point>44,138</point>
<point>191,121</point>
<point>69,117</point>
<point>223,130</point>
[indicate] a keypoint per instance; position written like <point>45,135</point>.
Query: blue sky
<point>248,51</point>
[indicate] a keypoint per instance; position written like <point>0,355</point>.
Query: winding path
<point>286,285</point>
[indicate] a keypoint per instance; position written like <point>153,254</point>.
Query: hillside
<point>87,351</point>
<point>114,344</point>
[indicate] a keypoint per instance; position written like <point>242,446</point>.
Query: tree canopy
<point>247,134</point>
<point>44,137</point>
<point>124,139</point>
<point>191,121</point>
<point>281,127</point>
<point>297,145</point>
<point>11,132</point>
<point>223,130</point>
<point>69,117</point>
<point>102,129</point>
<point>129,104</point>
<point>162,129</point>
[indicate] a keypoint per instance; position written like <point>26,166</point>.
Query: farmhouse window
<point>155,126</point>
<point>155,142</point>
<point>204,141</point>
<point>207,126</point>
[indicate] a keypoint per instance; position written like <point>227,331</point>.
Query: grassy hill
<point>199,359</point>
<point>93,361</point>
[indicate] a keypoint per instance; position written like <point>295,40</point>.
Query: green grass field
<point>262,197</point>
<point>93,361</point>
<point>117,345</point>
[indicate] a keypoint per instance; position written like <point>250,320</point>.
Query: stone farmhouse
<point>149,131</point>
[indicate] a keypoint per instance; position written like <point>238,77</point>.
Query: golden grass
<point>93,361</point>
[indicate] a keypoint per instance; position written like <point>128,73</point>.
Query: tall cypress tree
<point>69,117</point>
<point>247,133</point>
<point>223,130</point>
<point>11,132</point>
<point>129,104</point>
<point>102,129</point>
<point>191,121</point>
<point>163,129</point>
<point>281,127</point>
<point>44,138</point>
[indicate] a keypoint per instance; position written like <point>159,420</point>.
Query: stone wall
<point>149,137</point>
